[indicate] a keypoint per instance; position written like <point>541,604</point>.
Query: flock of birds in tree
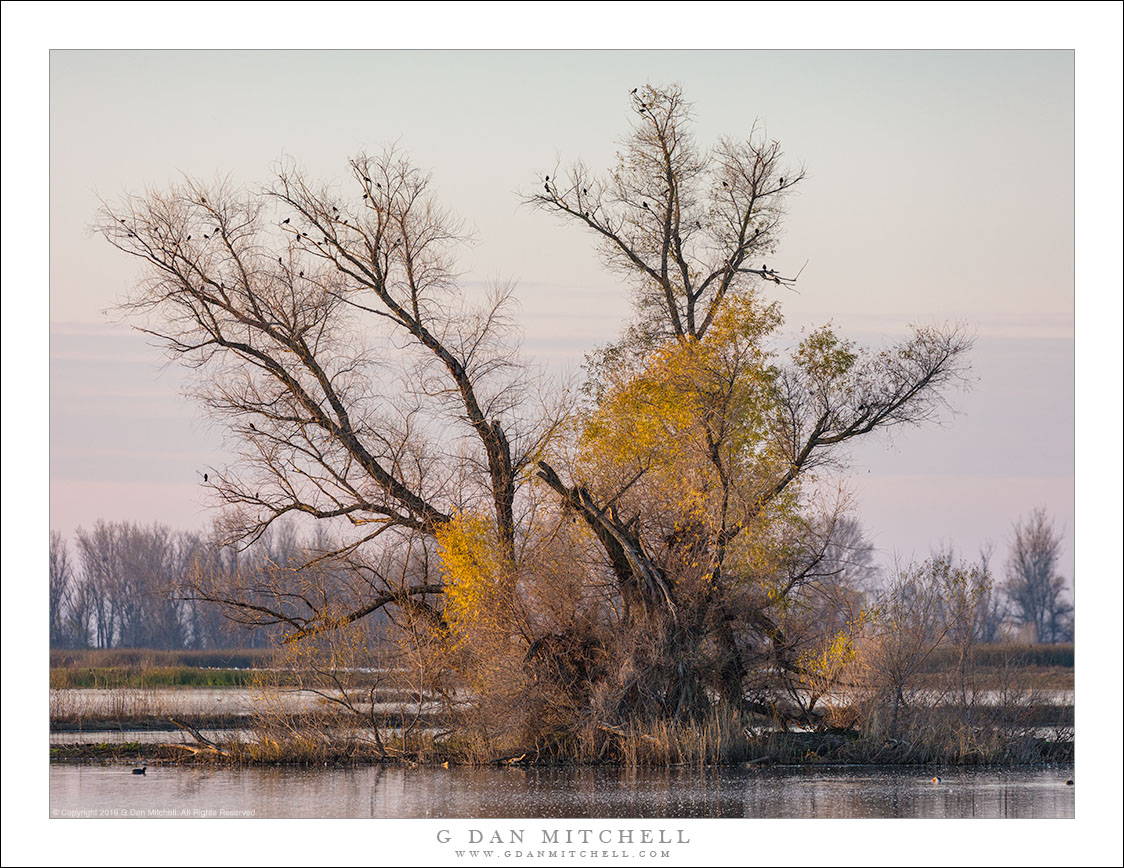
<point>764,271</point>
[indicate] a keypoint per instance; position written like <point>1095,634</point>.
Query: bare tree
<point>331,335</point>
<point>1033,585</point>
<point>913,618</point>
<point>687,227</point>
<point>132,576</point>
<point>991,608</point>
<point>60,590</point>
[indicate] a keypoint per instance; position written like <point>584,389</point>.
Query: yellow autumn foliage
<point>694,401</point>
<point>823,666</point>
<point>477,588</point>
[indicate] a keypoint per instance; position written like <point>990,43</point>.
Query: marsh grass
<point>1001,709</point>
<point>147,677</point>
<point>149,658</point>
<point>75,708</point>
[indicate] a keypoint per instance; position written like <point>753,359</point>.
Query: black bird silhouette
<point>546,187</point>
<point>364,195</point>
<point>644,204</point>
<point>204,477</point>
<point>547,178</point>
<point>365,178</point>
<point>585,190</point>
<point>279,260</point>
<point>122,219</point>
<point>782,182</point>
<point>140,771</point>
<point>697,223</point>
<point>634,90</point>
<point>286,220</point>
<point>724,184</point>
<point>252,428</point>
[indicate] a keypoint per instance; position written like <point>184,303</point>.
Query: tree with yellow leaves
<point>689,465</point>
<point>647,555</point>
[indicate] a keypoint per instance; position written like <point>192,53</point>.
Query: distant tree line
<point>127,585</point>
<point>1035,590</point>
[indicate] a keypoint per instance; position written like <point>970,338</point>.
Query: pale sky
<point>940,186</point>
<point>937,191</point>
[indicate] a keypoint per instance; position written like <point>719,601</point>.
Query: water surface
<point>394,791</point>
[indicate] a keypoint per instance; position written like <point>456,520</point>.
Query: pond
<point>93,790</point>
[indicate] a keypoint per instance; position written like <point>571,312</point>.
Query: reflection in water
<point>393,791</point>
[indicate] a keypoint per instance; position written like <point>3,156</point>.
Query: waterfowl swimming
<point>140,771</point>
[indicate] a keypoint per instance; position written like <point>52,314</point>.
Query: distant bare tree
<point>849,557</point>
<point>130,586</point>
<point>1033,585</point>
<point>913,617</point>
<point>991,610</point>
<point>206,623</point>
<point>61,589</point>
